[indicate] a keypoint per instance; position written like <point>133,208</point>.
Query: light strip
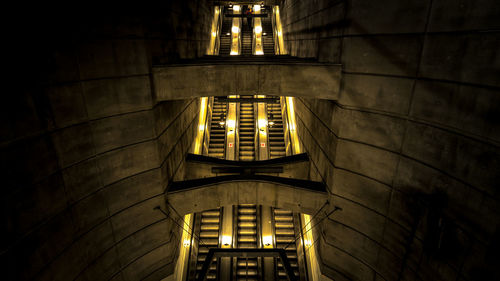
<point>235,32</point>
<point>214,32</point>
<point>181,266</point>
<point>279,31</point>
<point>257,31</point>
<point>198,143</point>
<point>292,127</point>
<point>310,251</point>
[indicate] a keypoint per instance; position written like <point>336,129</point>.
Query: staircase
<point>216,146</point>
<point>246,131</point>
<point>285,235</point>
<point>276,134</point>
<point>247,268</point>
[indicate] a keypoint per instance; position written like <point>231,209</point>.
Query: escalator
<point>225,39</point>
<point>276,134</point>
<point>217,130</point>
<point>285,237</point>
<point>247,230</point>
<point>247,238</point>
<point>247,131</point>
<point>209,228</point>
<point>246,39</point>
<point>267,39</point>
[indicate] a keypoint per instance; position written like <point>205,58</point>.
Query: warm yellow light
<point>235,29</point>
<point>267,240</point>
<point>256,8</point>
<point>308,243</point>
<point>236,8</point>
<point>259,52</point>
<point>183,250</point>
<point>226,240</point>
<point>198,145</point>
<point>279,32</point>
<point>258,29</point>
<point>262,123</point>
<point>214,34</point>
<point>233,53</point>
<point>230,123</point>
<point>292,125</point>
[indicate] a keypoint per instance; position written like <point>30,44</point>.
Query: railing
<point>286,127</point>
<point>208,126</point>
<point>246,253</point>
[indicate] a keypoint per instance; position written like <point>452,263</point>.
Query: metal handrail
<point>246,253</point>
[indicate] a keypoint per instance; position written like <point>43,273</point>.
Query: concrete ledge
<point>313,80</point>
<point>247,192</point>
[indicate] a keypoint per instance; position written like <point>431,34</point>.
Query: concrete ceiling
<point>409,150</point>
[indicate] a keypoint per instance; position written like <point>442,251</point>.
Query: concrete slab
<point>187,81</point>
<point>242,192</point>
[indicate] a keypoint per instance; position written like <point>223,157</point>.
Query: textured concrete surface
<point>185,81</point>
<point>86,150</point>
<point>410,149</point>
<point>246,192</point>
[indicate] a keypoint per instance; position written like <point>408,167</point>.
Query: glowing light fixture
<point>214,34</point>
<point>267,240</point>
<point>186,243</point>
<point>258,29</point>
<point>256,8</point>
<point>226,240</point>
<point>235,29</point>
<point>236,8</point>
<point>262,123</point>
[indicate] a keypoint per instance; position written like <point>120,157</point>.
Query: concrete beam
<point>313,80</point>
<point>247,192</point>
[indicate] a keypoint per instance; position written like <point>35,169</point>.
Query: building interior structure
<point>304,140</point>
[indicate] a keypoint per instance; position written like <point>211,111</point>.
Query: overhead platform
<point>281,182</point>
<point>190,196</point>
<point>267,75</point>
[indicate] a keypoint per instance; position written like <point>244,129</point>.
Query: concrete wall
<point>86,150</point>
<point>410,150</point>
